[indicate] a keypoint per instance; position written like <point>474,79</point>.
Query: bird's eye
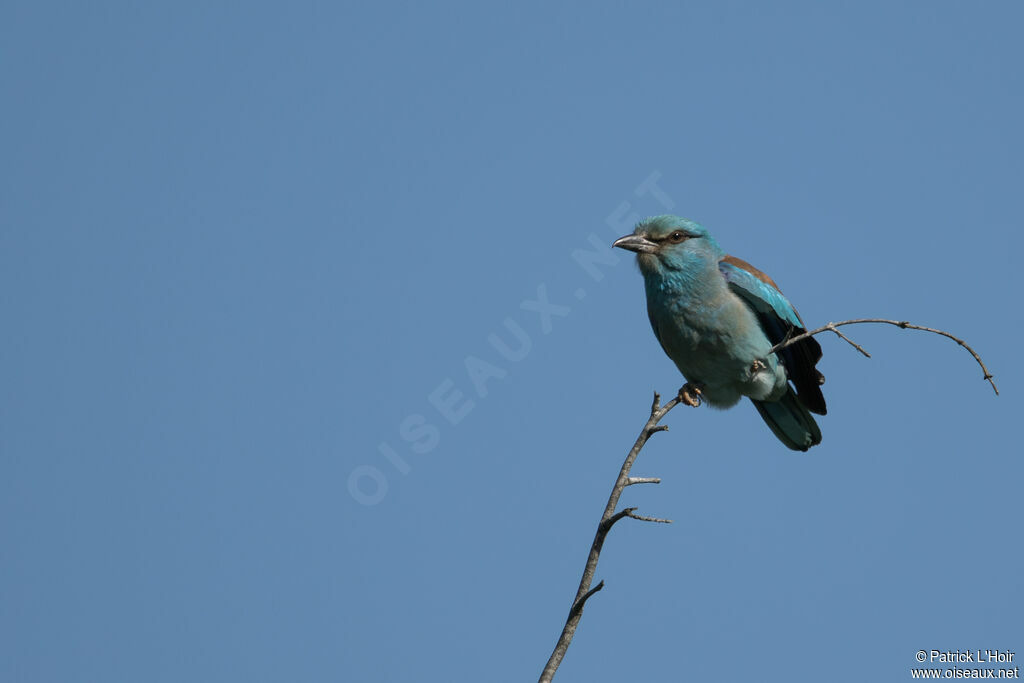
<point>677,237</point>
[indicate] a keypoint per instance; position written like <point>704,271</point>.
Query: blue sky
<point>251,257</point>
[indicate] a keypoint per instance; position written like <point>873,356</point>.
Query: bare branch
<point>902,324</point>
<point>642,480</point>
<point>608,519</point>
<point>645,518</point>
<point>850,341</point>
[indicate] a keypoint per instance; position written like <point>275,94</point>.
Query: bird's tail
<point>790,421</point>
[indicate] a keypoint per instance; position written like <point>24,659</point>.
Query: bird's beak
<point>637,243</point>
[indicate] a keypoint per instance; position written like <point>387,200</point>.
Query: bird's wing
<point>778,319</point>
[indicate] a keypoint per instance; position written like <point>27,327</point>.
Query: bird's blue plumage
<point>717,318</point>
<point>765,298</point>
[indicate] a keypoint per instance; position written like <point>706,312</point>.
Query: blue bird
<point>717,317</point>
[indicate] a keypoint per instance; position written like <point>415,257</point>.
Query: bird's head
<point>668,243</point>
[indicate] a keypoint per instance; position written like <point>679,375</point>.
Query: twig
<point>831,327</point>
<point>849,341</point>
<point>608,519</point>
<point>645,518</point>
<point>642,480</point>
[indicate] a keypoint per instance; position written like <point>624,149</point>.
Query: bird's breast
<point>713,340</point>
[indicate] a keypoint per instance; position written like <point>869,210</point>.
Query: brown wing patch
<point>759,274</point>
<point>740,263</point>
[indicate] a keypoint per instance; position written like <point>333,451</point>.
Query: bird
<point>717,318</point>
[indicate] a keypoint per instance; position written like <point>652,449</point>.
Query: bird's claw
<point>690,394</point>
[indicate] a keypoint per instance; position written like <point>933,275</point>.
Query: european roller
<point>717,317</point>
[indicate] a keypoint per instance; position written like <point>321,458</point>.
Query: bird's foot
<point>690,394</point>
<point>757,366</point>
